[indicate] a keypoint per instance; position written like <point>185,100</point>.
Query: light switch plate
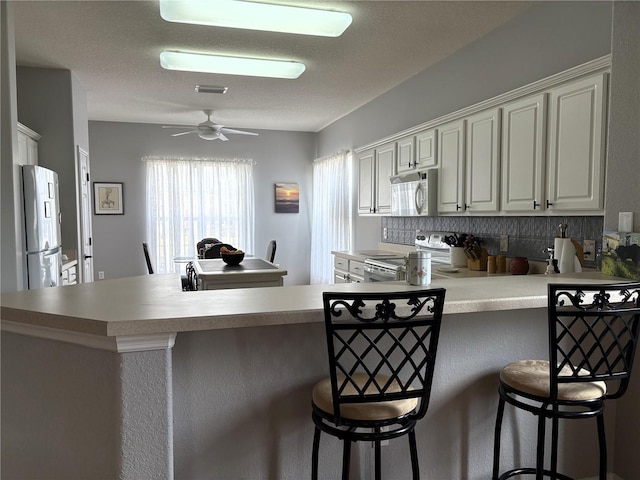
<point>625,222</point>
<point>589,248</point>
<point>504,243</point>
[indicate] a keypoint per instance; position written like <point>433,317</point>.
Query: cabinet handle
<point>409,164</point>
<point>457,207</point>
<point>535,204</point>
<point>466,207</point>
<point>549,203</point>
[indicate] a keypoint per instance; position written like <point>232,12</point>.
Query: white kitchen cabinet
<point>576,147</point>
<point>523,154</point>
<point>417,151</point>
<point>451,171</point>
<point>482,165</point>
<point>426,149</point>
<point>27,145</point>
<point>347,271</point>
<point>375,166</point>
<point>406,154</point>
<point>70,273</point>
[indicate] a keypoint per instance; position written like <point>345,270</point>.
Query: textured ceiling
<point>113,49</point>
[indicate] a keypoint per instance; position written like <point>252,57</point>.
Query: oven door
<point>373,273</point>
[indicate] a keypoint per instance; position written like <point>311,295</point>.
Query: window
<point>331,224</point>
<point>189,199</point>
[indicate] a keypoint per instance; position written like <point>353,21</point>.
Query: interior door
<point>85,255</point>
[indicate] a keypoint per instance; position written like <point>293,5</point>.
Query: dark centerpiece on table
<point>231,257</point>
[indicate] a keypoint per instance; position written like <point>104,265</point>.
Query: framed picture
<point>107,198</point>
<point>287,198</point>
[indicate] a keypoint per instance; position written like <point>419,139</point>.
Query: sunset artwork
<point>287,198</point>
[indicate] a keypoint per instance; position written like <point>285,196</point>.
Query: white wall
<point>12,239</point>
<point>623,182</point>
<point>116,153</point>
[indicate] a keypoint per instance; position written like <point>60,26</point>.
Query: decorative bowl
<point>232,258</point>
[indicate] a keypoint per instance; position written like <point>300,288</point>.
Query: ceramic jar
<point>519,266</point>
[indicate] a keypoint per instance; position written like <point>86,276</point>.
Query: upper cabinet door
<point>426,149</point>
<point>523,127</point>
<point>451,171</point>
<point>385,165</point>
<point>406,154</point>
<point>366,177</point>
<point>482,174</point>
<point>577,145</point>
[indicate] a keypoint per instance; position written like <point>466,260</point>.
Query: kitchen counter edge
<point>154,304</point>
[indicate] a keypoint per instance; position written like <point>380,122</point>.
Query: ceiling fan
<point>208,130</point>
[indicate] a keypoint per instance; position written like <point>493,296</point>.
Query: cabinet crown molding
<point>599,64</point>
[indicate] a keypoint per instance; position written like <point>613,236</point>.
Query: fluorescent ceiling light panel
<point>256,16</point>
<point>252,67</point>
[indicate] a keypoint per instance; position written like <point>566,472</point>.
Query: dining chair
<point>214,250</point>
<point>593,336</point>
<point>271,251</point>
<point>147,257</point>
<point>201,246</point>
<point>382,351</point>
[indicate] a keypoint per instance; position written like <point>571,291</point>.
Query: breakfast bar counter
<point>137,379</point>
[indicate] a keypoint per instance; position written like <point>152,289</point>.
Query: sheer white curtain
<point>189,199</point>
<point>331,224</point>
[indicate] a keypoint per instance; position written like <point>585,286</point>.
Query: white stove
<point>393,268</point>
<point>434,243</point>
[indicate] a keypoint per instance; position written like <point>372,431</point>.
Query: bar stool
<point>593,335</point>
<point>382,350</point>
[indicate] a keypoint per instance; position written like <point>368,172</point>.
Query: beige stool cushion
<point>532,377</point>
<point>322,399</point>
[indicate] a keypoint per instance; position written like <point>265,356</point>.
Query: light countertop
<point>155,304</point>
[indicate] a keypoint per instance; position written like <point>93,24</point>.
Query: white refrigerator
<point>42,227</point>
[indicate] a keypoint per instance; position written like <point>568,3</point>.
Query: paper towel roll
<point>565,252</point>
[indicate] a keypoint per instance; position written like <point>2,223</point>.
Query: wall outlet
<point>589,248</point>
<point>625,222</point>
<point>504,243</point>
<point>100,275</point>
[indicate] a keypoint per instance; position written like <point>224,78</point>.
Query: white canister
<point>418,265</point>
<point>458,257</point>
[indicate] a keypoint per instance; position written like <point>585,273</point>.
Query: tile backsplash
<point>528,236</point>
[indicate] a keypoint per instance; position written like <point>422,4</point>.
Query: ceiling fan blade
<point>222,137</point>
<point>238,132</point>
<point>177,126</point>
<point>183,133</point>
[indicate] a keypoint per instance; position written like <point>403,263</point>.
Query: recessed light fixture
<point>211,89</point>
<point>256,16</point>
<point>208,63</point>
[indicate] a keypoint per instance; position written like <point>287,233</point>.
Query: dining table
<point>215,274</point>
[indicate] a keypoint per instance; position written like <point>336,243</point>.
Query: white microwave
<point>414,194</point>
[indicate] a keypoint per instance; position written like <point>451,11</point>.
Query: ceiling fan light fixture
<point>256,16</point>
<point>227,65</point>
<point>211,89</point>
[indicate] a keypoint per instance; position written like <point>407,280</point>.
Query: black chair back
<point>593,334</point>
<point>147,257</point>
<point>271,251</point>
<point>201,245</point>
<point>214,250</point>
<point>389,338</point>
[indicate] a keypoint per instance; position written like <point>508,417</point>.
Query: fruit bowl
<point>232,258</point>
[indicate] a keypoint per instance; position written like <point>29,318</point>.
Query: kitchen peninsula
<point>135,379</point>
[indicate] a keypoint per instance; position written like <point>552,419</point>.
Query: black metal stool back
<point>382,348</point>
<point>593,337</point>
